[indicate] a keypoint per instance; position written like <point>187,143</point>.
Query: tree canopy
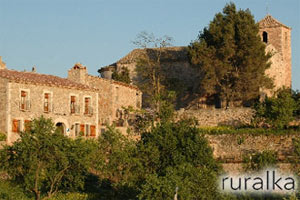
<point>230,57</point>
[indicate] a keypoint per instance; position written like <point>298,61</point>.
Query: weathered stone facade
<point>229,150</point>
<point>80,104</point>
<point>277,37</point>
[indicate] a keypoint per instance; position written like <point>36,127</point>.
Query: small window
<point>47,102</point>
<point>73,105</point>
<point>25,103</point>
<point>87,130</point>
<point>265,37</point>
<point>16,126</point>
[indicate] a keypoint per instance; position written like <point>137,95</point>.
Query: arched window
<point>265,37</point>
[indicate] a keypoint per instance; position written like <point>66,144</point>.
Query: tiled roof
<point>269,21</point>
<point>41,79</point>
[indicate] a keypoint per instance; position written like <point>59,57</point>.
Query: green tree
<point>230,57</point>
<point>122,75</point>
<point>278,110</point>
<point>176,155</point>
<point>44,161</point>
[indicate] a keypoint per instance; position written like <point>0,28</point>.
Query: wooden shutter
<point>73,99</point>
<point>82,128</point>
<point>93,130</point>
<point>15,126</point>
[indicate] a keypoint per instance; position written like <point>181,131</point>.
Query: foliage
<point>152,77</point>
<point>260,160</point>
<point>277,110</point>
<point>9,191</point>
<point>44,162</point>
<point>176,155</point>
<point>115,158</point>
<point>220,130</point>
<point>2,136</point>
<point>192,183</point>
<point>230,57</point>
<point>122,76</point>
<point>296,97</point>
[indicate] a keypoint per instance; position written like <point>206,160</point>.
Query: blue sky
<point>55,34</point>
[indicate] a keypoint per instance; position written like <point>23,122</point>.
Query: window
<point>77,129</point>
<point>25,103</point>
<point>87,106</point>
<point>16,126</point>
<point>87,130</point>
<point>47,102</point>
<point>74,106</point>
<point>265,37</point>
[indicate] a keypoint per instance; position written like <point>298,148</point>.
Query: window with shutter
<point>16,126</point>
<point>46,102</point>
<point>23,100</point>
<point>82,128</point>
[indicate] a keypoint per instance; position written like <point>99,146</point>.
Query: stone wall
<point>3,103</point>
<point>60,99</point>
<point>219,117</point>
<point>227,150</point>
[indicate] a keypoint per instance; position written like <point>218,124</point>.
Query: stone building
<point>274,34</point>
<point>277,37</point>
<point>79,104</point>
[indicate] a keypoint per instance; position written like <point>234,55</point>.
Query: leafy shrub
<point>2,136</point>
<point>276,111</point>
<point>260,160</point>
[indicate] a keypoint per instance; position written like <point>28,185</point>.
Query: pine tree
<point>230,57</point>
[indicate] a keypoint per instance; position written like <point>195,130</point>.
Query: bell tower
<point>277,38</point>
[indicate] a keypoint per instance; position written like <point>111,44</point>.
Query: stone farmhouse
<point>174,60</point>
<point>79,104</point>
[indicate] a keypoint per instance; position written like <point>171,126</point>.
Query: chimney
<point>2,64</point>
<point>78,73</point>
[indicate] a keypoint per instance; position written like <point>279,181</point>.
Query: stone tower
<point>277,37</point>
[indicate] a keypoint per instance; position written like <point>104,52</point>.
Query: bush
<point>276,111</point>
<point>2,136</point>
<point>260,160</point>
